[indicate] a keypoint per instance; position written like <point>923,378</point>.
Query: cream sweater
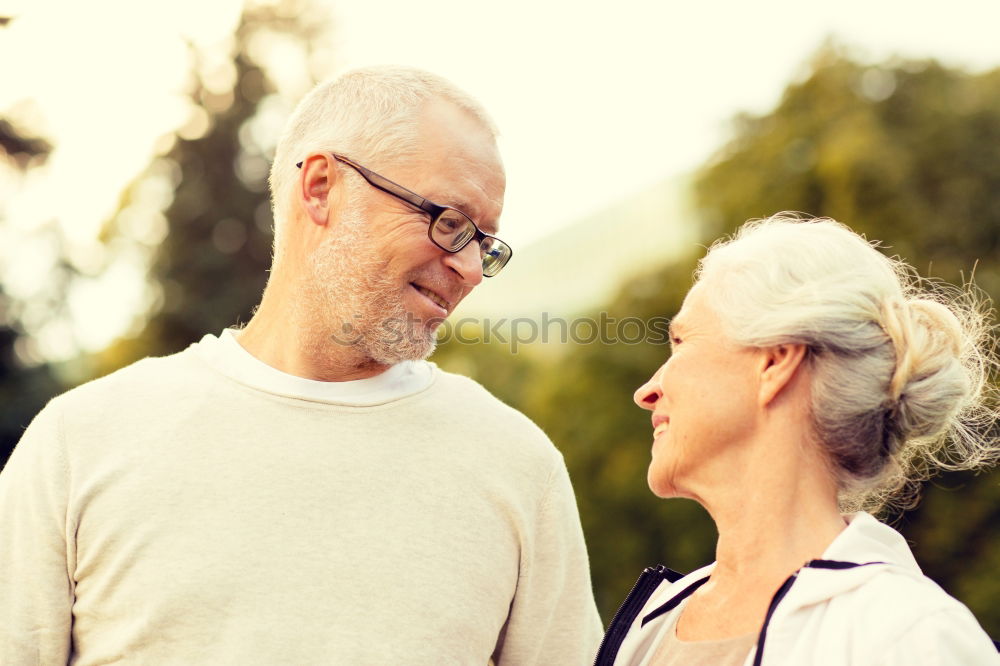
<point>172,513</point>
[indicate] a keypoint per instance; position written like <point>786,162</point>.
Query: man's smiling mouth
<point>435,298</point>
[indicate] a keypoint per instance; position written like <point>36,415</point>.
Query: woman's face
<point>703,403</point>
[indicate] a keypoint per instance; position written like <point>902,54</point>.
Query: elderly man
<point>310,490</point>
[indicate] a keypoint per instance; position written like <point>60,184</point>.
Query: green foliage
<point>905,153</point>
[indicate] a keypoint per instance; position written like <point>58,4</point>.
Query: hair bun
<point>929,384</point>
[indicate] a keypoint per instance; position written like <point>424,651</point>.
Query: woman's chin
<point>660,485</point>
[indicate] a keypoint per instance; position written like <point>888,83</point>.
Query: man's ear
<point>315,186</point>
<point>779,366</point>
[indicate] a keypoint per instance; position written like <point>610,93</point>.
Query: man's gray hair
<point>900,364</point>
<point>369,114</point>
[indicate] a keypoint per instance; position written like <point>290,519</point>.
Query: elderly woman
<point>809,373</point>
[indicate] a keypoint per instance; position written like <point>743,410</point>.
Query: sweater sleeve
<point>553,617</point>
<point>36,594</point>
<point>950,637</point>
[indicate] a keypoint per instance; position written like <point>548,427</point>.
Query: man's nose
<point>468,263</point>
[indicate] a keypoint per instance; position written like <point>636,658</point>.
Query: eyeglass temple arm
<point>398,191</point>
<point>389,187</point>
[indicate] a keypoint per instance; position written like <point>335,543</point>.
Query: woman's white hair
<point>369,114</point>
<point>900,364</point>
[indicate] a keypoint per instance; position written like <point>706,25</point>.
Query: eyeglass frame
<point>435,211</point>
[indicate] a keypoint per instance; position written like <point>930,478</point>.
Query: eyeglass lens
<point>495,255</point>
<point>453,230</point>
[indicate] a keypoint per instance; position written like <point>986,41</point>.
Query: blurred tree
<point>21,148</point>
<point>210,269</point>
<point>24,387</point>
<point>209,262</point>
<point>906,153</point>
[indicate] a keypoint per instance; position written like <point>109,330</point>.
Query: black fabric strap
<point>672,576</point>
<point>836,564</point>
<point>672,604</point>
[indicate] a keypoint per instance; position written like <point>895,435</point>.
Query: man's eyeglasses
<point>450,229</point>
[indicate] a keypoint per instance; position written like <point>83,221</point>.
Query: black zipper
<point>648,581</point>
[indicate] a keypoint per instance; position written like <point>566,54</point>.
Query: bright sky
<point>595,100</point>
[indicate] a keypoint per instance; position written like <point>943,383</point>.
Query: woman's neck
<point>775,515</point>
<point>780,513</point>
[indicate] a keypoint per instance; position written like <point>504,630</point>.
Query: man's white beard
<point>351,300</point>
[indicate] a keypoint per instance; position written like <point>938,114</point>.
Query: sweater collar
<point>226,355</point>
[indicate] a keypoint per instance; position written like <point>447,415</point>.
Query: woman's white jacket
<point>865,602</point>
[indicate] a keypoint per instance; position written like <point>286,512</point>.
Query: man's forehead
<point>474,186</point>
<point>447,130</point>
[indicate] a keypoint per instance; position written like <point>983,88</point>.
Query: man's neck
<point>277,336</point>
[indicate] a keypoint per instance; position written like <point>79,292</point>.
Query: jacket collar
<point>863,550</point>
<point>865,541</point>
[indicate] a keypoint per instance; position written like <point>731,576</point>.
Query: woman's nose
<point>649,393</point>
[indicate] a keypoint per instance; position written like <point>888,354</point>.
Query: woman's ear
<point>779,366</point>
<point>315,186</point>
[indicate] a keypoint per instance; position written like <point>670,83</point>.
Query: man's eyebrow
<point>469,209</point>
<point>488,227</point>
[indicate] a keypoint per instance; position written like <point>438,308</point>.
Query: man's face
<point>386,284</point>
